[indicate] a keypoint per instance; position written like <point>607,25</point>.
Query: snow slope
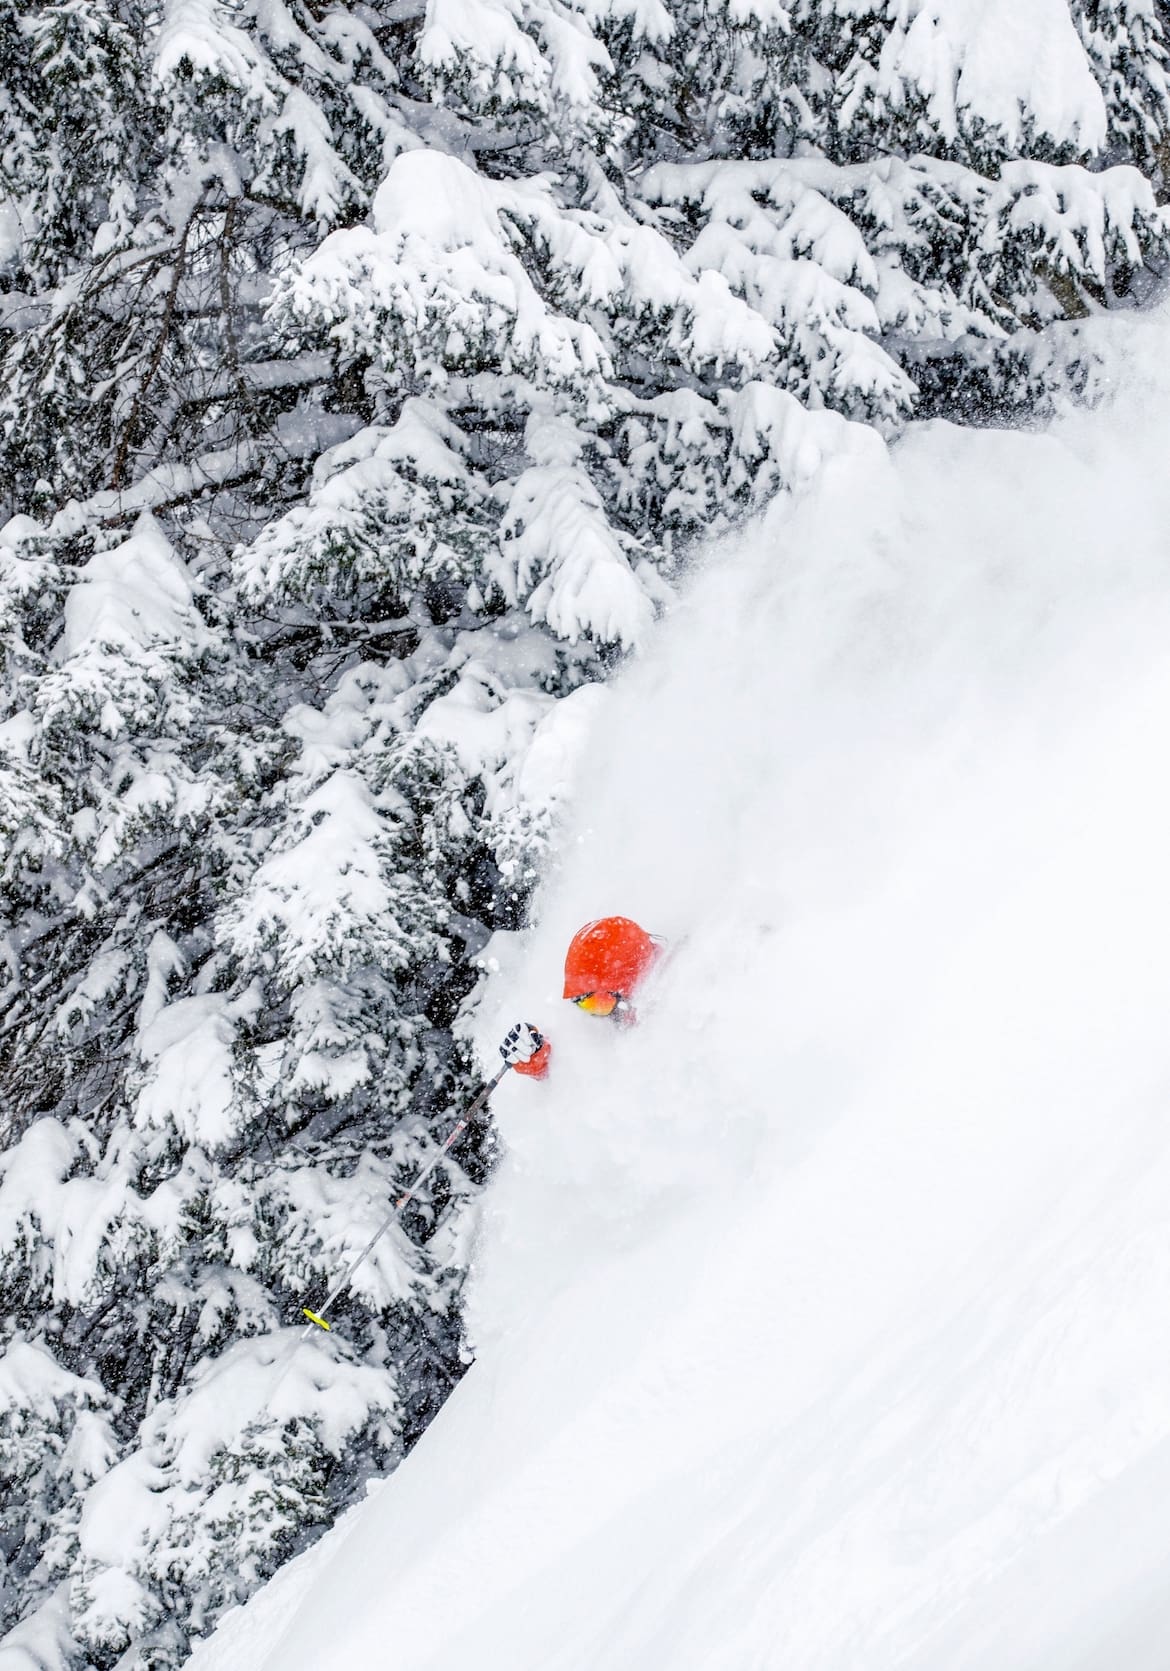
<point>822,1320</point>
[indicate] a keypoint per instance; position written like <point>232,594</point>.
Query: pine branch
<point>118,474</point>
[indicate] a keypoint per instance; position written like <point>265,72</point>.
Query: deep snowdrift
<point>822,1320</point>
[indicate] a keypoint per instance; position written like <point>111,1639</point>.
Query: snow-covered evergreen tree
<point>366,372</point>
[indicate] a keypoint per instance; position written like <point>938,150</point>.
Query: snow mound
<point>821,1319</point>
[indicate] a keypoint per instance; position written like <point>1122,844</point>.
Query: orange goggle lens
<point>597,1003</point>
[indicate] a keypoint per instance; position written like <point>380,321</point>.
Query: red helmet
<point>610,955</point>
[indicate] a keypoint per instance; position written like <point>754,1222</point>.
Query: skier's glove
<point>521,1045</point>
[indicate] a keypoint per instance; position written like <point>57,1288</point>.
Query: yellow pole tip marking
<point>313,1318</point>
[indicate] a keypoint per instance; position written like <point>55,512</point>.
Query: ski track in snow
<point>822,1319</point>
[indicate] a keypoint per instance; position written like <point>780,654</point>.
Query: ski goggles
<point>598,1003</point>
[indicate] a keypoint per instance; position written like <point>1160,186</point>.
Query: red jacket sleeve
<point>537,1066</point>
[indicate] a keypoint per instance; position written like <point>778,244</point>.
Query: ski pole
<point>461,1125</point>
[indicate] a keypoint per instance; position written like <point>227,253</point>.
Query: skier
<point>605,963</point>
